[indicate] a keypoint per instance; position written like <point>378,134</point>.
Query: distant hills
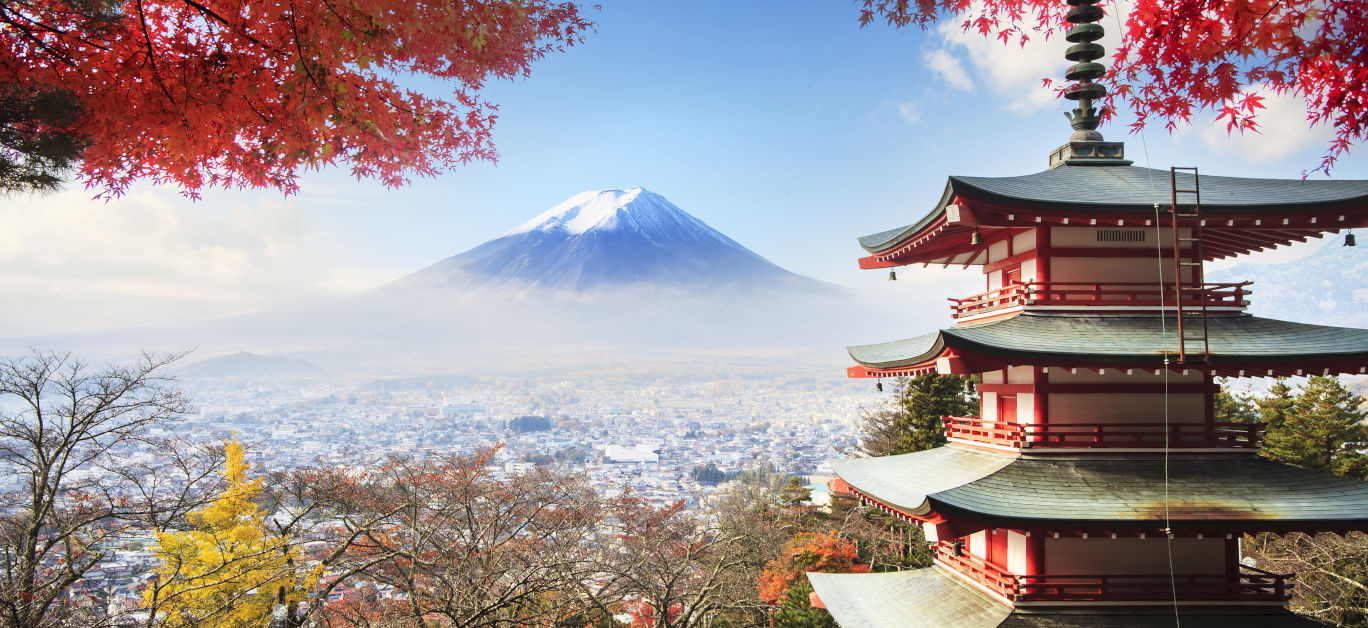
<point>250,365</point>
<point>1328,287</point>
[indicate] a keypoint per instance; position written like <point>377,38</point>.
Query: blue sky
<point>783,124</point>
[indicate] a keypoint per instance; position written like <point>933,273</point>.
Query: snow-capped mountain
<point>604,241</point>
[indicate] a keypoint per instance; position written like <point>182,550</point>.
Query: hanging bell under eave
<point>1349,239</point>
<point>892,275</point>
<point>975,239</point>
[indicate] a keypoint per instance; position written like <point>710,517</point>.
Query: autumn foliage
<point>808,551</point>
<point>1179,57</point>
<point>249,93</point>
<point>227,569</point>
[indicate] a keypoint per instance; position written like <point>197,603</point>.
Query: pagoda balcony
<point>1220,435</point>
<point>1249,584</point>
<point>1129,296</point>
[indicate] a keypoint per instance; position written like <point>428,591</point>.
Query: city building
<point>1096,488</point>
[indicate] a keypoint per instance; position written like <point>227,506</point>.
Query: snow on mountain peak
<point>606,209</point>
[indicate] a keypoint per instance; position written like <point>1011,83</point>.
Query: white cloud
<point>1013,72</point>
<point>910,111</point>
<point>948,68</point>
<point>1282,131</point>
<point>71,263</point>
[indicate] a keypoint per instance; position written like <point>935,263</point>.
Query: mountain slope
<point>1328,287</point>
<point>604,240</point>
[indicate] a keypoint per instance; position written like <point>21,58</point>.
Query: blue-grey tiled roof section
<point>1138,189</point>
<point>1160,618</point>
<point>1112,490</point>
<point>905,480</point>
<point>931,598</point>
<point>1232,339</point>
<point>1133,189</point>
<point>887,239</point>
<point>906,599</point>
<point>898,352</point>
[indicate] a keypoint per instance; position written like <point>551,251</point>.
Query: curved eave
<point>1243,215</point>
<point>917,597</point>
<point>1239,345</point>
<point>932,597</point>
<point>1116,492</point>
<point>905,482</point>
<point>1134,190</point>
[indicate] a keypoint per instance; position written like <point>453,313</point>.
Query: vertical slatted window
<point>1121,235</point>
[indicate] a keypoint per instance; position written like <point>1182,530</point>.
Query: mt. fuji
<point>605,241</point>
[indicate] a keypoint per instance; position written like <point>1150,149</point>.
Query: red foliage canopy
<point>247,93</point>
<point>1178,57</point>
<point>807,551</point>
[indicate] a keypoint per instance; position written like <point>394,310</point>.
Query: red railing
<point>1103,435</point>
<point>976,568</point>
<point>1249,585</point>
<point>1084,294</point>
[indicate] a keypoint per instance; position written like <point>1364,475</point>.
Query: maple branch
<point>152,57</point>
<point>35,39</point>
<point>210,13</point>
<point>304,61</point>
<point>1231,42</point>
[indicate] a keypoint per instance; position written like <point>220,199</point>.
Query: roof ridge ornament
<point>1086,146</point>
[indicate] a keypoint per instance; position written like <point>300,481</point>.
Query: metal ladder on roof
<point>1190,293</point>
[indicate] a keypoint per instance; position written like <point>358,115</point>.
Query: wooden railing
<point>1083,294</point>
<point>976,568</point>
<point>1103,435</point>
<point>1249,585</point>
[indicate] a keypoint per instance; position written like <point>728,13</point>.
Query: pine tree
<point>912,420</point>
<point>1318,428</point>
<point>1235,407</point>
<point>227,570</point>
<point>1274,406</point>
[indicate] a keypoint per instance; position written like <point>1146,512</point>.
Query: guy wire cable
<point>1163,340</point>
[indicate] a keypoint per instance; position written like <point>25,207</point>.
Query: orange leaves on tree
<point>807,551</point>
<point>249,93</point>
<point>1179,57</point>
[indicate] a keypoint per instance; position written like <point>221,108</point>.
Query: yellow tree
<point>227,570</point>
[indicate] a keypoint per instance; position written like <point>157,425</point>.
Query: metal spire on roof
<point>1084,53</point>
<point>1086,146</point>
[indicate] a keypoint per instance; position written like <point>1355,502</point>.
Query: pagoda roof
<point>1236,342</point>
<point>933,598</point>
<point>1243,214</point>
<point>917,597</point>
<point>1124,490</point>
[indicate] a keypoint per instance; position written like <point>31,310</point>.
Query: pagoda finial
<point>1086,147</point>
<point>1084,53</point>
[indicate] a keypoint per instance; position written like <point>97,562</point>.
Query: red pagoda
<point>1095,487</point>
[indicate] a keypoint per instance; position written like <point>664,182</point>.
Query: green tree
<point>1235,407</point>
<point>1274,406</point>
<point>37,150</point>
<point>911,420</point>
<point>1319,429</point>
<point>795,609</point>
